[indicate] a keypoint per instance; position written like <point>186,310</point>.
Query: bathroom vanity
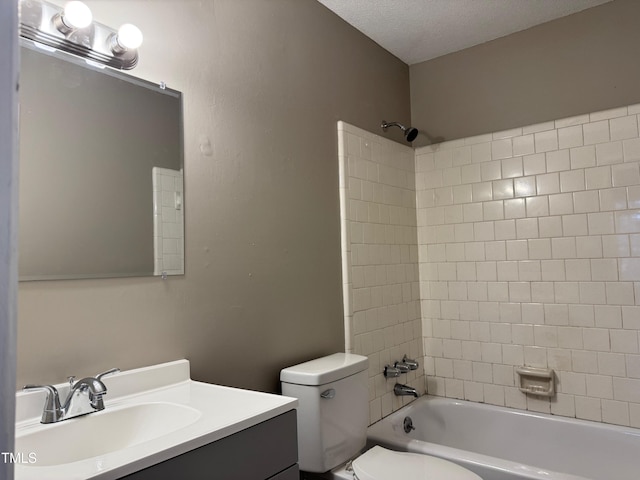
<point>160,424</point>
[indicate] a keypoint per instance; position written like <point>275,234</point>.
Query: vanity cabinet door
<point>268,450</point>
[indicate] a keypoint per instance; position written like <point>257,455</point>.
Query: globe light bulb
<point>76,15</point>
<point>129,36</point>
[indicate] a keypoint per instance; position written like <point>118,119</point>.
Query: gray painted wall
<point>8,230</point>
<point>264,84</point>
<point>582,63</point>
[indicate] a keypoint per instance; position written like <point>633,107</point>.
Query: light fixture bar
<point>73,31</point>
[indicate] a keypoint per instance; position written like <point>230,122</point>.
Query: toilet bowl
<point>333,416</point>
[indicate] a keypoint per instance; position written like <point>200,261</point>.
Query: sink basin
<point>103,432</point>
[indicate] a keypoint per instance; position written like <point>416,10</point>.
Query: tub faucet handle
<point>403,367</point>
<point>391,372</point>
<point>413,364</point>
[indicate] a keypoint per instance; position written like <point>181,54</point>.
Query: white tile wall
<point>529,253</point>
<point>380,253</point>
<point>168,224</point>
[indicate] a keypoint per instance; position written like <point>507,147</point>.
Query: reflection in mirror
<point>101,172</point>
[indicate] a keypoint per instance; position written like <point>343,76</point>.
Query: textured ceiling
<point>419,30</point>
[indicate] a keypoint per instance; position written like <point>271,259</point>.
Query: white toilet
<point>333,415</point>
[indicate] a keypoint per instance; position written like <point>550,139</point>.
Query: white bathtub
<point>505,444</point>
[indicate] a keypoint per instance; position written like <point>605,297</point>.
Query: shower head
<point>410,133</point>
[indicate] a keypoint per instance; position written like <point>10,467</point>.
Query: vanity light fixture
<point>72,29</point>
<point>74,15</point>
<point>129,37</point>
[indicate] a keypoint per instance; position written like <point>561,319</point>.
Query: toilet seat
<point>382,464</point>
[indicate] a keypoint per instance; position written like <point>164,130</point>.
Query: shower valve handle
<point>391,372</point>
<point>413,364</point>
<point>403,367</point>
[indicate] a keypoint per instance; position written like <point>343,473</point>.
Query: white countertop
<point>223,412</point>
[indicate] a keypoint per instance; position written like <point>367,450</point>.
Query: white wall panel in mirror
<point>89,140</point>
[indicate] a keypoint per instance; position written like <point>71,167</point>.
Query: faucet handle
<point>403,367</point>
<point>50,389</point>
<point>413,364</point>
<point>52,411</point>
<point>390,372</point>
<point>108,372</point>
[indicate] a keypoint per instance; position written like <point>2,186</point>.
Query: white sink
<point>103,432</point>
<point>151,414</point>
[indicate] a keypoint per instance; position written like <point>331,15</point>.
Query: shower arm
<point>386,125</point>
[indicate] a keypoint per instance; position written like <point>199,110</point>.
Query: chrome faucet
<point>402,367</point>
<point>85,396</point>
<point>412,364</point>
<point>404,390</point>
<point>390,372</point>
<point>398,368</point>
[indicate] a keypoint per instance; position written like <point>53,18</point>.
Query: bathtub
<point>505,444</point>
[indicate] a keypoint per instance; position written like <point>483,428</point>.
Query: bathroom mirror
<point>101,171</point>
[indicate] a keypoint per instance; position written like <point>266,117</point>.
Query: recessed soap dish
<point>536,381</point>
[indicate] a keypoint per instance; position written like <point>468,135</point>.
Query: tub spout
<point>404,390</point>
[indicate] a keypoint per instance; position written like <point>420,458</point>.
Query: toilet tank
<point>333,410</point>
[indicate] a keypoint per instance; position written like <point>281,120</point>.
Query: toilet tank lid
<point>325,370</point>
